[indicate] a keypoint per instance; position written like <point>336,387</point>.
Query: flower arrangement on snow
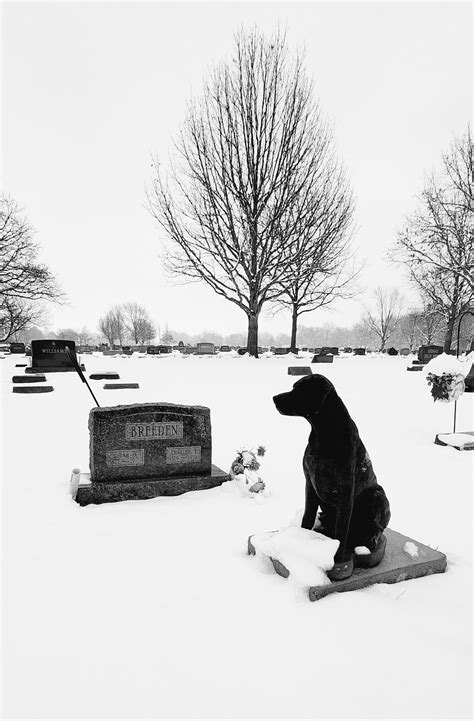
<point>445,374</point>
<point>245,468</point>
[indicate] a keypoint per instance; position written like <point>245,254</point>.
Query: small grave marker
<point>117,386</point>
<point>105,376</point>
<point>205,349</point>
<point>322,359</point>
<point>38,378</point>
<point>299,371</point>
<point>17,347</point>
<point>32,389</point>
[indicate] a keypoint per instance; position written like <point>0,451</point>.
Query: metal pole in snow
<point>80,373</point>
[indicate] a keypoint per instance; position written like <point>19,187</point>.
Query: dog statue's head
<point>306,398</point>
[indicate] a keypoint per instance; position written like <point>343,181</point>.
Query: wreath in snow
<point>245,470</point>
<point>445,376</point>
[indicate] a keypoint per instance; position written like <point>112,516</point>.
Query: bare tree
<point>112,325</point>
<point>22,276</point>
<point>384,319</point>
<point>253,160</point>
<point>437,245</point>
<point>137,321</point>
<point>17,315</point>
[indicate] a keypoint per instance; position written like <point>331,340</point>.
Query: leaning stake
<point>81,374</point>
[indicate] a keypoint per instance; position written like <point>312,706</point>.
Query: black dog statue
<point>340,480</point>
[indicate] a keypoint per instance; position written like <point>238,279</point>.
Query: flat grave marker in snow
<point>52,356</point>
<point>32,389</point>
<point>299,371</point>
<point>117,386</point>
<point>404,559</point>
<point>38,378</point>
<point>415,368</point>
<point>322,359</point>
<point>104,376</point>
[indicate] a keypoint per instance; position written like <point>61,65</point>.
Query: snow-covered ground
<point>152,609</point>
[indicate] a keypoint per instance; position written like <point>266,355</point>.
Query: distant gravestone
<point>127,350</point>
<point>225,349</point>
<point>359,351</point>
<point>415,368</point>
<point>5,348</point>
<point>299,371</point>
<point>427,352</point>
<point>347,350</point>
<point>281,351</point>
<point>153,350</point>
<point>164,349</point>
<point>147,450</point>
<point>52,356</point>
<point>17,347</point>
<point>205,349</point>
<point>404,351</point>
<point>329,350</point>
<point>392,351</point>
<point>242,351</point>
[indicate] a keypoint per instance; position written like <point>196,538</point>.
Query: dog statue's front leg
<point>311,504</point>
<point>343,563</point>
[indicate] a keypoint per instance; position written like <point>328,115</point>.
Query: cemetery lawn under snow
<point>153,609</point>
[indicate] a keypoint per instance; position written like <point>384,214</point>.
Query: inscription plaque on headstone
<point>149,440</point>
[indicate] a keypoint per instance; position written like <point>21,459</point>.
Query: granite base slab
<point>464,447</point>
<point>112,491</point>
<point>32,389</point>
<point>397,565</point>
<point>54,369</point>
<point>299,371</point>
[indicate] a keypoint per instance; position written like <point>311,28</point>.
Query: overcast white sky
<point>89,90</point>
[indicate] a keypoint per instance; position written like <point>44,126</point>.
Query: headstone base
<point>299,371</point>
<point>415,368</point>
<point>397,565</point>
<point>112,491</point>
<point>63,369</point>
<point>455,440</point>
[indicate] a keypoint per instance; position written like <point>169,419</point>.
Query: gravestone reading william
<point>147,450</point>
<point>51,356</point>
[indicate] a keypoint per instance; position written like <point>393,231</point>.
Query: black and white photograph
<point>237,359</point>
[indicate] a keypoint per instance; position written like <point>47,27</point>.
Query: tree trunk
<point>294,328</point>
<point>449,335</point>
<point>252,336</point>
